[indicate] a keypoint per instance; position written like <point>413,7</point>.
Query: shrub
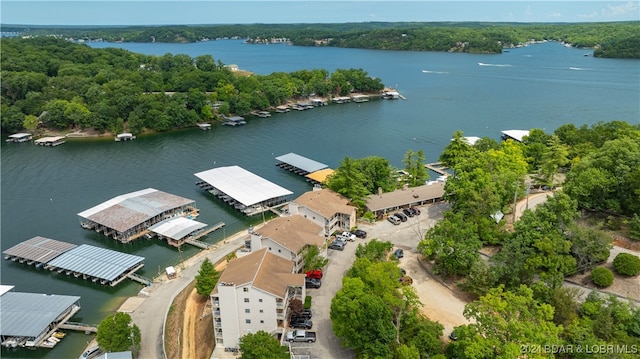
<point>307,302</point>
<point>627,264</point>
<point>602,277</point>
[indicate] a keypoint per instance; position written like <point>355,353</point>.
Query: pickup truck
<point>301,336</point>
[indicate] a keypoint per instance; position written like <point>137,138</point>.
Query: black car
<point>306,314</point>
<point>312,283</point>
<point>360,233</point>
<point>301,323</point>
<point>401,216</point>
<point>408,212</point>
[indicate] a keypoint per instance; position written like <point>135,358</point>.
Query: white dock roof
<point>242,185</point>
<point>19,135</point>
<point>471,139</point>
<point>177,228</point>
<point>301,162</point>
<point>516,134</point>
<point>96,262</point>
<point>29,314</point>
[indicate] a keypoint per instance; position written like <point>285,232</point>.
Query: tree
<point>295,306</point>
<point>627,264</point>
<point>502,322</point>
<point>206,278</point>
<point>349,182</point>
<point>313,259</point>
<point>414,165</point>
<point>116,333</point>
<point>456,151</point>
<point>261,345</point>
<point>589,246</point>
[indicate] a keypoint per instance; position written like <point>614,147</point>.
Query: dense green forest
<point>613,39</point>
<point>62,85</point>
<point>521,301</point>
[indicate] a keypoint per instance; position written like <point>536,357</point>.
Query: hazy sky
<point>154,12</point>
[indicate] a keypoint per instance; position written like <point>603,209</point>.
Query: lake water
<point>43,189</point>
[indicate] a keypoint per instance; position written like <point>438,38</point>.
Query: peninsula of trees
<point>62,85</point>
<point>609,39</point>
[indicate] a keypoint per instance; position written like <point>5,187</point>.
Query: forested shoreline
<point>609,39</point>
<point>59,85</point>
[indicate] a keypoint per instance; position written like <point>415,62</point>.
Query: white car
<point>348,236</point>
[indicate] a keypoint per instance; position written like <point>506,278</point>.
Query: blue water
<point>43,189</point>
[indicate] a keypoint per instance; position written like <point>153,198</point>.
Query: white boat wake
<point>494,65</point>
<point>434,72</point>
<point>577,68</point>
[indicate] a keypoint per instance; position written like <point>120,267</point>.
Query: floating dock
<point>20,137</point>
<point>121,137</point>
<point>516,135</point>
<point>178,231</point>
<point>438,168</point>
<point>204,126</point>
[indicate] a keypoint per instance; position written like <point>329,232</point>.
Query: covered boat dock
<point>128,216</point>
<point>180,230</point>
<point>50,141</point>
<point>298,164</point>
<point>37,251</point>
<point>101,265</point>
<point>516,135</point>
<point>319,177</point>
<point>31,319</point>
<point>20,137</point>
<point>244,190</point>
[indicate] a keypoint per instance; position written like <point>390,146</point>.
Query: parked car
<point>337,245</point>
<point>301,336</point>
<point>408,212</point>
<point>301,323</point>
<point>416,210</point>
<point>306,313</point>
<point>399,253</point>
<point>393,219</point>
<point>360,233</point>
<point>315,273</point>
<point>401,216</point>
<point>348,236</point>
<point>312,283</point>
<point>92,352</point>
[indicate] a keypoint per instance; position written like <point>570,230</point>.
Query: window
<point>279,251</point>
<point>246,300</point>
<point>261,311</point>
<point>245,289</point>
<point>260,300</point>
<point>262,322</point>
<point>247,310</point>
<point>269,248</point>
<point>248,321</point>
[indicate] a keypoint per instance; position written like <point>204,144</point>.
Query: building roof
<point>472,139</point>
<point>176,228</point>
<point>321,175</point>
<point>377,202</point>
<point>301,162</point>
<point>29,314</point>
<point>262,270</point>
<point>129,210</point>
<point>292,232</point>
<point>5,288</point>
<point>515,134</point>
<point>116,355</point>
<point>242,185</point>
<point>325,202</point>
<point>96,262</point>
<point>39,249</point>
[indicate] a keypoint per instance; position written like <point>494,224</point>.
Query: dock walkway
<point>438,168</point>
<point>87,328</point>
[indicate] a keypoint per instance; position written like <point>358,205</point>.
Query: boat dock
<point>87,328</point>
<point>121,137</point>
<point>20,137</point>
<point>204,126</point>
<point>50,141</point>
<point>438,168</point>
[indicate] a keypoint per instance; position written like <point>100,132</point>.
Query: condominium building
<point>328,209</point>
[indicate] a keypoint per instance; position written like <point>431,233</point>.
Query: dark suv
<point>408,212</point>
<point>301,323</point>
<point>360,233</point>
<point>312,283</point>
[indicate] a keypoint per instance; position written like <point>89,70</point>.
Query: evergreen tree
<point>206,278</point>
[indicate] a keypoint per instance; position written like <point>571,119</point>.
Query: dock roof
<point>20,135</point>
<point>242,185</point>
<point>96,262</point>
<point>29,314</point>
<point>515,134</point>
<point>472,139</point>
<point>176,228</point>
<point>301,162</point>
<point>49,139</point>
<point>320,176</point>
<point>378,202</point>
<point>131,209</point>
<point>39,249</point>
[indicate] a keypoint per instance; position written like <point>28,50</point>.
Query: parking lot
<point>407,235</point>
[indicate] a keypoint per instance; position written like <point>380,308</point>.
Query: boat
<point>59,335</point>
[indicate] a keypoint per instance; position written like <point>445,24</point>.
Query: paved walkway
<point>150,314</point>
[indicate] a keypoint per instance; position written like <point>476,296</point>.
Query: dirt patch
<point>189,327</point>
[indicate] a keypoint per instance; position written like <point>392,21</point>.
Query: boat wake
<point>434,72</point>
<point>578,68</point>
<point>494,65</point>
